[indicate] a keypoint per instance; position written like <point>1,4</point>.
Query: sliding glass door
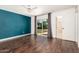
<point>42,25</point>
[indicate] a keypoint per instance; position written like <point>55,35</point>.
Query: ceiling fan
<point>30,7</point>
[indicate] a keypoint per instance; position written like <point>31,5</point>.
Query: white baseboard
<point>10,38</point>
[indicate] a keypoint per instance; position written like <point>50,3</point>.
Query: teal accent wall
<point>12,24</point>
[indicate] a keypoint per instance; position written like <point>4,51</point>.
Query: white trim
<point>10,38</point>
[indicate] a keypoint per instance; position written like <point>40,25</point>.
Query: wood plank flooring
<point>38,44</point>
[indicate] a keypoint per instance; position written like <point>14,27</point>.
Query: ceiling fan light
<point>30,7</point>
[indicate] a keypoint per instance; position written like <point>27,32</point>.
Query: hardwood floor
<point>38,44</point>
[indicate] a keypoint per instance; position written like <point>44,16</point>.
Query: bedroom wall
<point>32,25</point>
<point>68,23</point>
<point>78,26</point>
<point>12,24</point>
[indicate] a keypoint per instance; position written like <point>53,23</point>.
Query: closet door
<point>59,30</point>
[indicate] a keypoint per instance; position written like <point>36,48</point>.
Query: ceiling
<point>41,9</point>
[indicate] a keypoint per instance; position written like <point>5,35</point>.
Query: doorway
<point>59,29</point>
<point>42,25</point>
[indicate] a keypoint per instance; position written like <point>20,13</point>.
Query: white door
<point>59,30</point>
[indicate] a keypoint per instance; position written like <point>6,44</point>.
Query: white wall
<point>68,22</point>
<point>32,24</point>
<point>78,26</point>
